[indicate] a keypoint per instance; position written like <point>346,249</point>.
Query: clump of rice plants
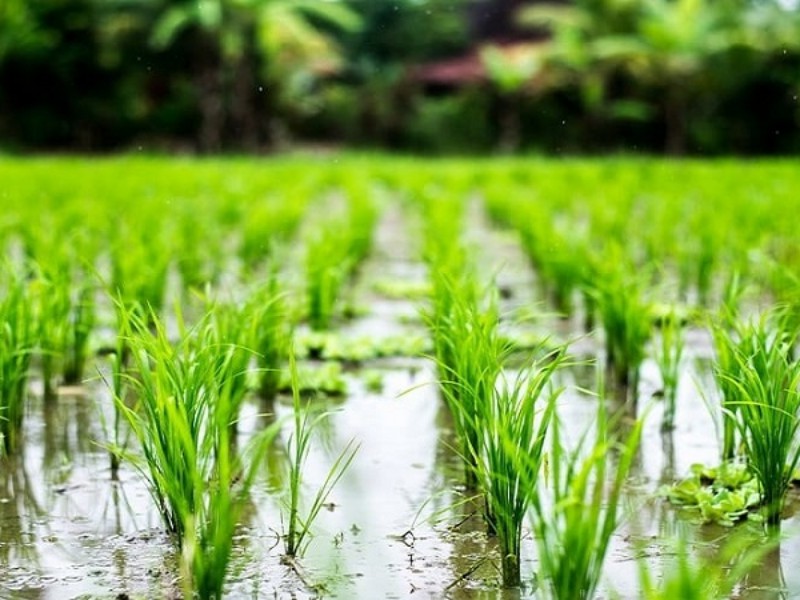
<point>268,311</point>
<point>765,380</point>
<point>559,255</point>
<point>52,316</point>
<point>334,250</point>
<point>81,323</point>
<point>513,428</point>
<point>327,267</point>
<point>188,401</point>
<point>469,354</point>
<point>305,421</point>
<point>627,323</point>
<point>17,340</point>
<point>269,222</point>
<point>65,314</point>
<point>207,541</point>
<point>576,513</point>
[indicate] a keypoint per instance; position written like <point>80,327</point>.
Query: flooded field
<point>399,522</point>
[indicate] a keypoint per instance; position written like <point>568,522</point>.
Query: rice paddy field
<point>374,377</point>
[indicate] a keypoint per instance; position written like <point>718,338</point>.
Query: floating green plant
<point>724,495</point>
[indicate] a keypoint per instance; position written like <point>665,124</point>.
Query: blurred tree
<point>240,40</point>
<point>690,53</point>
<point>394,37</point>
<point>510,72</point>
<point>54,90</point>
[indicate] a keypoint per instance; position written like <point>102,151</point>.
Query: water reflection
<point>766,580</point>
<point>19,508</point>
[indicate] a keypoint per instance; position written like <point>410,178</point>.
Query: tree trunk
<point>675,119</point>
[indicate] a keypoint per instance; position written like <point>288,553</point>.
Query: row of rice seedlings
<point>466,348</point>
<point>17,340</point>
<point>306,421</point>
<point>764,380</point>
<point>577,511</point>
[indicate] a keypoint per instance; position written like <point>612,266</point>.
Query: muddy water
<point>396,525</point>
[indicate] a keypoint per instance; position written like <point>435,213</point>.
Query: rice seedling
<point>668,357</point>
<point>559,255</point>
<point>81,323</point>
<point>52,293</point>
<point>299,521</point>
<point>198,246</point>
<point>17,340</point>
<point>271,343</point>
<point>725,337</point>
<point>140,258</point>
<point>334,249</point>
<point>118,386</point>
<point>577,512</point>
<point>513,428</point>
<point>326,272</point>
<point>231,329</point>
<point>207,541</point>
<point>766,383</point>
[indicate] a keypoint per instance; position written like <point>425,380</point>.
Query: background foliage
<point>681,76</point>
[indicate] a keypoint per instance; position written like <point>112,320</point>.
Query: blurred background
<point>699,77</point>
